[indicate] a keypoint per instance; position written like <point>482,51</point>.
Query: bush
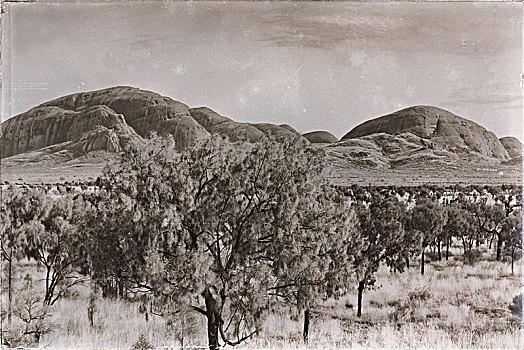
<point>142,343</point>
<point>472,256</point>
<point>30,318</point>
<point>432,256</point>
<point>516,309</point>
<point>411,310</point>
<point>419,295</point>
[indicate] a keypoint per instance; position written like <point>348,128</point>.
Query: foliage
<point>315,261</point>
<point>20,208</point>
<point>472,256</point>
<point>461,224</point>
<point>32,317</point>
<point>116,248</point>
<point>142,343</point>
<point>516,308</point>
<point>491,218</point>
<point>512,233</point>
<point>384,239</point>
<point>220,224</point>
<point>55,241</point>
<point>425,221</point>
<point>381,225</point>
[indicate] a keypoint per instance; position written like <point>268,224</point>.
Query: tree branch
<point>199,310</point>
<point>235,343</point>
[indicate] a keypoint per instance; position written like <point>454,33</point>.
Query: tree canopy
<point>223,227</point>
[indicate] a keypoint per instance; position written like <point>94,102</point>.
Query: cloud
<point>179,70</point>
<point>499,102</point>
<point>453,28</point>
<point>269,61</point>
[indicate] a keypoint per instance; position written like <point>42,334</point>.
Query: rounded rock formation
<point>320,137</point>
<point>447,130</point>
<point>129,111</point>
<point>512,145</point>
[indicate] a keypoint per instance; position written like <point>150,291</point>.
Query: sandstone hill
<point>320,137</point>
<point>423,137</point>
<point>512,145</point>
<point>215,123</point>
<point>128,112</point>
<point>107,119</point>
<point>437,127</point>
<point>82,132</point>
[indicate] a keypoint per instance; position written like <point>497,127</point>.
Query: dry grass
<point>453,306</point>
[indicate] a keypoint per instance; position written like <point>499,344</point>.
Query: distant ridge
<point>90,129</point>
<point>512,145</point>
<point>126,110</point>
<point>128,113</point>
<point>320,137</point>
<point>441,127</point>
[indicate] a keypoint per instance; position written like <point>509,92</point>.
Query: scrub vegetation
<point>248,245</point>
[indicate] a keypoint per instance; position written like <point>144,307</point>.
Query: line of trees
<point>232,231</point>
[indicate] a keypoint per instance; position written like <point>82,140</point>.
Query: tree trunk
<point>407,262</point>
<point>422,262</point>
<point>305,334</point>
<point>120,285</point>
<point>182,332</point>
<point>213,321</point>
<point>438,251</point>
<point>512,259</point>
<point>447,248</point>
<point>361,286</point>
<point>48,286</point>
<point>499,246</point>
<point>491,241</point>
<point>464,245</point>
<point>9,291</point>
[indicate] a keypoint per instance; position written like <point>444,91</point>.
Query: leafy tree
<point>384,240</point>
<point>117,250</point>
<point>55,242</point>
<point>210,225</point>
<point>314,261</point>
<point>425,221</point>
<point>512,232</point>
<point>19,207</point>
<point>490,219</point>
<point>460,223</point>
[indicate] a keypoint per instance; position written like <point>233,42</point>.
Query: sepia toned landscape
<point>261,176</point>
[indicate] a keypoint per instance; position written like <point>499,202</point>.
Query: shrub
<point>516,309</point>
<point>419,295</point>
<point>31,318</point>
<point>432,256</point>
<point>142,343</point>
<point>472,256</point>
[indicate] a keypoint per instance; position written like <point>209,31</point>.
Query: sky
<point>315,66</point>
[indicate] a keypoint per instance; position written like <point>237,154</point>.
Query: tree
<point>19,208</point>
<point>460,223</point>
<point>384,240</point>
<point>425,221</point>
<point>314,262</point>
<point>117,247</point>
<point>490,219</point>
<point>208,223</point>
<point>512,232</point>
<point>55,242</point>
